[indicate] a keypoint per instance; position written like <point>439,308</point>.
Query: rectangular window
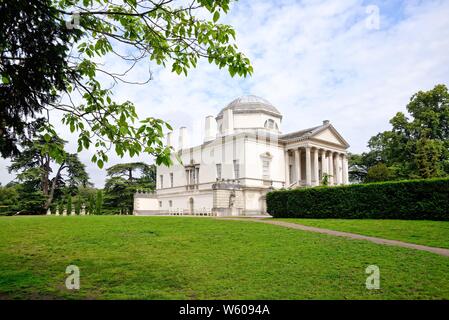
<point>160,204</point>
<point>236,169</point>
<point>219,170</point>
<point>171,180</point>
<point>266,169</point>
<point>162,180</point>
<point>170,203</point>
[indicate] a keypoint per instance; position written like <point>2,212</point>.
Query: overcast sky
<point>313,60</point>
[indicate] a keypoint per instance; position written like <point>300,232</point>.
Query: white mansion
<point>244,155</point>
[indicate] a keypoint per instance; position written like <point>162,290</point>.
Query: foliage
<point>61,207</point>
<point>127,170</point>
<point>325,179</point>
<point>53,208</point>
<point>36,163</point>
<point>123,182</point>
<point>78,205</point>
<point>23,198</point>
<point>99,202</point>
<point>416,146</point>
<point>69,205</point>
<point>36,78</point>
<point>428,157</point>
<point>91,203</point>
<point>379,172</point>
<point>34,51</point>
<point>9,200</point>
<point>412,199</point>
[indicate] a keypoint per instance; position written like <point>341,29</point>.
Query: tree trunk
<point>53,187</point>
<point>45,176</point>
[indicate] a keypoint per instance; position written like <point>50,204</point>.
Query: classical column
<point>331,168</point>
<point>297,165</point>
<point>308,168</point>
<point>287,169</point>
<point>323,162</point>
<point>345,170</point>
<point>337,169</point>
<point>316,175</point>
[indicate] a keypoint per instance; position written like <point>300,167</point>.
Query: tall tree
<point>48,63</point>
<point>428,157</point>
<point>417,146</point>
<point>127,170</point>
<point>123,182</point>
<point>43,156</point>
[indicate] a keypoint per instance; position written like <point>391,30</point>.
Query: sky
<point>353,62</point>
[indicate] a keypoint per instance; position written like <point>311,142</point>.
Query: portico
<point>307,165</point>
<point>313,154</point>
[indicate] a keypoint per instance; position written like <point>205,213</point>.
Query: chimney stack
<point>170,139</point>
<point>182,138</point>
<point>210,129</point>
<point>228,122</point>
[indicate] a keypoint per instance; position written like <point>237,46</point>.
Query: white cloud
<point>314,60</point>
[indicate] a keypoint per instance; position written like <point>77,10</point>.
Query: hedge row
<point>410,199</point>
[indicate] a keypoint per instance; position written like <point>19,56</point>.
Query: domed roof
<point>250,104</point>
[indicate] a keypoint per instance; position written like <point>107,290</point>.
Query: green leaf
<point>216,16</point>
<point>47,137</point>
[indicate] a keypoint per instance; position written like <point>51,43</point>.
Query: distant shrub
<point>410,199</point>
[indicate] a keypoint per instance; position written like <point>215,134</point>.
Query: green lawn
<point>429,233</point>
<point>203,258</point>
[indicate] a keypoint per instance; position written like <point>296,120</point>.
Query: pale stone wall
<point>145,204</point>
<point>254,153</point>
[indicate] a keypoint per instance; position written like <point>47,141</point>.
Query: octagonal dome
<point>251,104</point>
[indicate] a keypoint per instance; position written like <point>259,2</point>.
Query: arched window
<point>270,124</point>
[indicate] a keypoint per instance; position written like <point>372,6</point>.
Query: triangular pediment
<point>330,135</point>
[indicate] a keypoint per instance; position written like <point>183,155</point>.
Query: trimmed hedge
<point>410,199</point>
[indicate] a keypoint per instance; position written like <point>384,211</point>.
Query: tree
<point>36,162</point>
<point>91,204</point>
<point>34,64</point>
<point>48,63</point>
<point>69,204</point>
<point>428,158</point>
<point>61,207</point>
<point>417,146</point>
<point>9,200</point>
<point>128,170</point>
<point>123,182</point>
<point>78,205</point>
<point>378,172</point>
<point>99,202</point>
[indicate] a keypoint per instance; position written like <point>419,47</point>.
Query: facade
<point>244,155</point>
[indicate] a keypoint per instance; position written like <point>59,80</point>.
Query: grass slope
<point>201,258</point>
<point>429,233</point>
